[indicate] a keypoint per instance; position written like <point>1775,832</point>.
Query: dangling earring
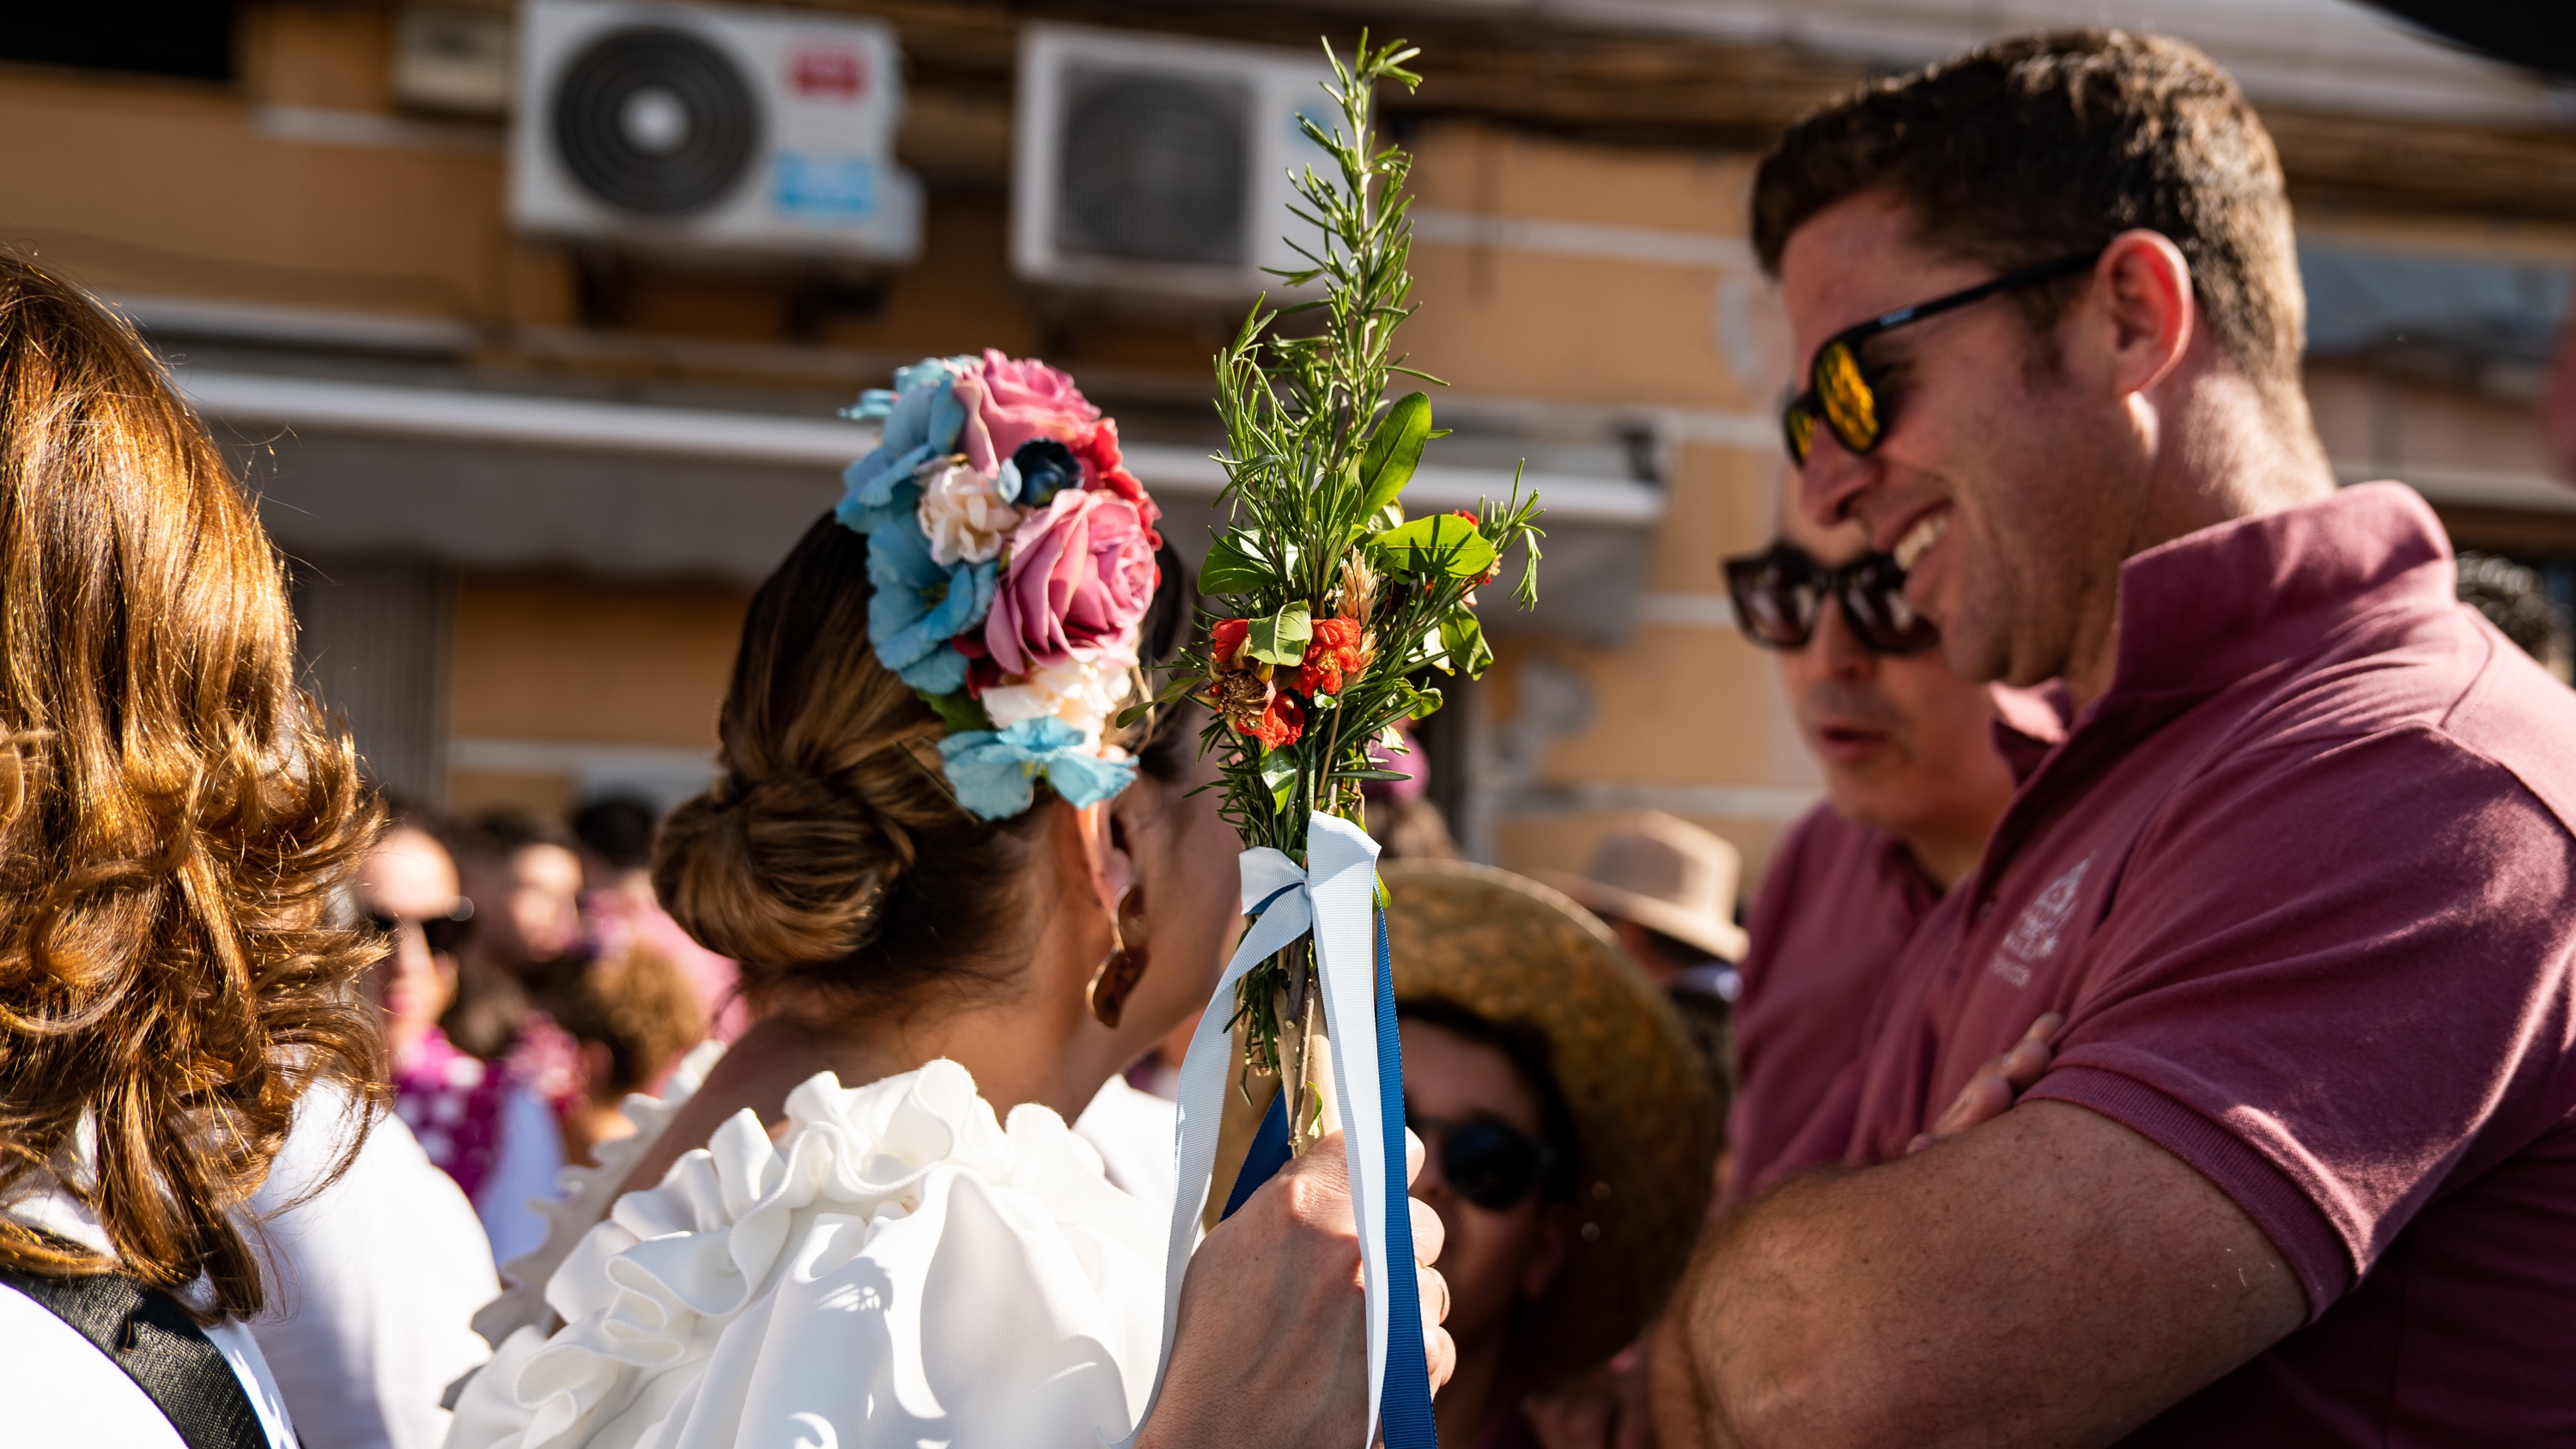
<point>1119,972</point>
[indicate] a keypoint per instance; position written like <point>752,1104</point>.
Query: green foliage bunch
<point>1334,607</point>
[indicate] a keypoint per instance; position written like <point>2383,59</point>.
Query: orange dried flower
<point>1334,653</point>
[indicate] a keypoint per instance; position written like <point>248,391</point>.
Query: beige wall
<point>1614,282</point>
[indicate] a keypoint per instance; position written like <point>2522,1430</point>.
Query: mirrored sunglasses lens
<point>1775,601</point>
<point>1850,403</point>
<point>1490,1165</point>
<point>1875,601</point>
<point>1801,426</point>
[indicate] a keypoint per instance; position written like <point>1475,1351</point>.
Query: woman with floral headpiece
<point>962,897</point>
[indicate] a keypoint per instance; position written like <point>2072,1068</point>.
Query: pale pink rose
<point>964,515</point>
<point>1014,401</point>
<point>1077,577</point>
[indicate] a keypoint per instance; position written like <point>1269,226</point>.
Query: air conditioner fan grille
<point>1153,169</point>
<point>655,121</point>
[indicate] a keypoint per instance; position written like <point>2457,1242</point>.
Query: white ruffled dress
<point>899,1268</point>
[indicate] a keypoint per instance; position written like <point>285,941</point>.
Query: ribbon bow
<point>1334,897</point>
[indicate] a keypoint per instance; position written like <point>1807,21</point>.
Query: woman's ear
<point>1107,834</point>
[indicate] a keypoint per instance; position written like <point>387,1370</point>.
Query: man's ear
<point>2143,313</point>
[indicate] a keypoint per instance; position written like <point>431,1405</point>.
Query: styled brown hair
<point>831,859</point>
<point>175,818</point>
<point>2049,145</point>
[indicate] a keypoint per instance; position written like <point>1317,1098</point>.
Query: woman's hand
<point>1272,1348</point>
<point>1997,1084</point>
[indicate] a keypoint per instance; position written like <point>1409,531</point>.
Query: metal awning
<point>488,479</point>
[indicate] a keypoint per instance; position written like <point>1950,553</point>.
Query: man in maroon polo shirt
<point>1912,786</point>
<point>2300,876</point>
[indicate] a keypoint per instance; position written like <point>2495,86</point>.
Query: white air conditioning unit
<point>724,129</point>
<point>1151,164</point>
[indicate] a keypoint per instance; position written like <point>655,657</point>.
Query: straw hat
<point>1665,874</point>
<point>1645,1120</point>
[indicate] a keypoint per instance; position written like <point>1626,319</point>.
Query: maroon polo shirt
<point>2304,886</point>
<point>1837,903</point>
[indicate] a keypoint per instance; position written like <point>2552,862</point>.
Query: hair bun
<point>781,871</point>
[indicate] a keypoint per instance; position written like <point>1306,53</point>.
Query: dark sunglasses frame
<point>1849,396</point>
<point>1486,1160</point>
<point>1779,595</point>
<point>442,934</point>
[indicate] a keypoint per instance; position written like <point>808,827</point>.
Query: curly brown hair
<point>176,819</point>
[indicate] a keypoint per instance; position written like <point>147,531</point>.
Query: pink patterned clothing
<point>453,1103</point>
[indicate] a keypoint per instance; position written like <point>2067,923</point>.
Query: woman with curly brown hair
<point>175,820</point>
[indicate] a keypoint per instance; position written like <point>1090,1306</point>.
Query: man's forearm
<point>2047,1278</point>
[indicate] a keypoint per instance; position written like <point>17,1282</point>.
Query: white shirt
<point>57,1387</point>
<point>373,1283</point>
<point>899,1268</point>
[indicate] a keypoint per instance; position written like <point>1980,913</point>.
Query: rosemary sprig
<point>1338,606</point>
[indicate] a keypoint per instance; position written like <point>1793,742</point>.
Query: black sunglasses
<point>1780,592</point>
<point>443,934</point>
<point>1850,397</point>
<point>1489,1162</point>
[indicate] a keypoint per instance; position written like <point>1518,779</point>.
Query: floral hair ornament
<point>1012,555</point>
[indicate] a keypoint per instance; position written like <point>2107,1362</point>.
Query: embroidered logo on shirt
<point>2034,937</point>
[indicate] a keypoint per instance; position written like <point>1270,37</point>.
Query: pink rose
<point>1009,402</point>
<point>1080,573</point>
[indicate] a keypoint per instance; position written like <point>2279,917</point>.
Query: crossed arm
<point>2046,1278</point>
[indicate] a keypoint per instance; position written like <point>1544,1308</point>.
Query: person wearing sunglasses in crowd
<point>1568,1131</point>
<point>1913,785</point>
<point>483,1123</point>
<point>2301,1168</point>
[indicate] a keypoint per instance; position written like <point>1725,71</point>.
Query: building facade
<point>529,474</point>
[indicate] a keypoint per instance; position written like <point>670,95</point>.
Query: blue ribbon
<point>1334,896</point>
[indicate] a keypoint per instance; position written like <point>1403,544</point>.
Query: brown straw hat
<point>1667,875</point>
<point>1645,1119</point>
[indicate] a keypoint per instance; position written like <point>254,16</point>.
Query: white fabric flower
<point>899,1268</point>
<point>963,514</point>
<point>1084,693</point>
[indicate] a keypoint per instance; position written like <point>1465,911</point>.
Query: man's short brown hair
<point>2050,145</point>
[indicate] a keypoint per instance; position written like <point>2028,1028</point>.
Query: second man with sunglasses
<point>1913,785</point>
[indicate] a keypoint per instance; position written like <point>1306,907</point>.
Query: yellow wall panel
<point>553,657</point>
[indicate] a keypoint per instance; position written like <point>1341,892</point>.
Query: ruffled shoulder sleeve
<point>899,1268</point>
<point>583,1196</point>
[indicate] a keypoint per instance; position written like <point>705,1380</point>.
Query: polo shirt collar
<point>2205,610</point>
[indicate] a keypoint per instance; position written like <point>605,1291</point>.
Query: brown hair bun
<point>831,858</point>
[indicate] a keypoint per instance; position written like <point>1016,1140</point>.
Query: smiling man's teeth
<point>1910,549</point>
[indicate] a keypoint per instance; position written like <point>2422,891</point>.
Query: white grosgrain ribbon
<point>1335,896</point>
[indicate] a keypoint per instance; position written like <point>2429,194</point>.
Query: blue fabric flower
<point>922,419</point>
<point>994,772</point>
<point>919,605</point>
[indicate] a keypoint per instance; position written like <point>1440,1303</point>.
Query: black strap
<point>145,1332</point>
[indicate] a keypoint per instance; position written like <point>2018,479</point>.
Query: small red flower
<point>1104,467</point>
<point>1333,652</point>
<point>1278,725</point>
<point>1225,642</point>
